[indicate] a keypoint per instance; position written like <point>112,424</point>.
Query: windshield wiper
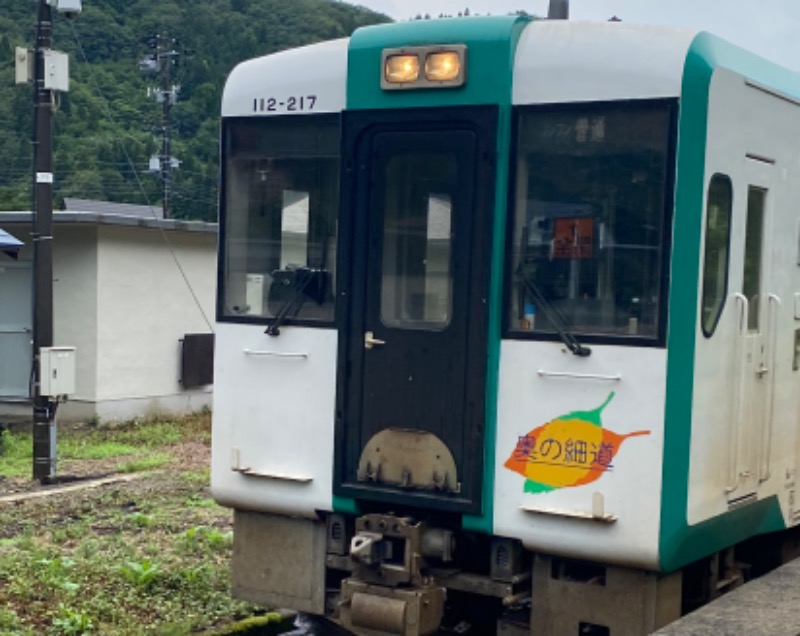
<point>556,319</point>
<point>301,279</point>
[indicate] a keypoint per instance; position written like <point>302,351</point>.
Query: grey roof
<point>7,241</point>
<point>92,218</point>
<point>9,245</point>
<point>69,204</point>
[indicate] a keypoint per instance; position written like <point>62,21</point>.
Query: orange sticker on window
<point>573,238</point>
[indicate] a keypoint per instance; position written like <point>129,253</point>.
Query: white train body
<point>674,259</point>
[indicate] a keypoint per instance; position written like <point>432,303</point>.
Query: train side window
<point>753,247</point>
<point>717,251</point>
<point>278,218</point>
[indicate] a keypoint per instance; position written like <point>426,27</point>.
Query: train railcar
<point>508,324</point>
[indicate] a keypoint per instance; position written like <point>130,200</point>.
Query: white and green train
<point>508,325</point>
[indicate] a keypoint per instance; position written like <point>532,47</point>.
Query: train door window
<point>416,290</point>
<point>753,243</point>
<point>591,220</point>
<point>717,251</point>
<point>278,218</point>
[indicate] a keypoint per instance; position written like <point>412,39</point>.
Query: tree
<point>104,133</point>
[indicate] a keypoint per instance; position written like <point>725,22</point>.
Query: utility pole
<point>48,71</point>
<point>558,10</point>
<point>44,429</point>
<point>166,102</point>
<point>165,56</point>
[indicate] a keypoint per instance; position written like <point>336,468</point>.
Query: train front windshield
<point>591,220</point>
<point>281,196</point>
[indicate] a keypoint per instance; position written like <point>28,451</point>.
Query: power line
<point>105,105</point>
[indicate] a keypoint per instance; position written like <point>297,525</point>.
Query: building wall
<point>120,299</point>
<point>144,309</point>
<point>75,302</point>
<point>16,321</point>
<point>74,295</point>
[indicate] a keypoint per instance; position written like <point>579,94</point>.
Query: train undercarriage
<point>386,574</point>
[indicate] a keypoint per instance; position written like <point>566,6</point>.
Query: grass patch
<point>197,477</point>
<point>150,462</point>
<point>17,457</point>
<point>146,557</point>
<point>74,448</point>
<point>96,442</point>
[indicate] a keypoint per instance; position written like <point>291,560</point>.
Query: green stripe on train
<point>680,543</point>
<point>491,44</point>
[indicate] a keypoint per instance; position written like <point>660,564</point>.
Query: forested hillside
<point>106,127</point>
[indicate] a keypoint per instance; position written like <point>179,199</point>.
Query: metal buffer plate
<point>409,459</point>
<point>372,609</point>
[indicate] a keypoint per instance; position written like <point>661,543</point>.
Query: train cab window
<point>278,218</point>
<point>590,220</point>
<point>717,249</point>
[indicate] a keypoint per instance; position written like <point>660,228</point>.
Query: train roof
<point>318,69</point>
<point>565,61</point>
<point>555,61</point>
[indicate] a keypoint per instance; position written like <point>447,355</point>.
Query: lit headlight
<point>401,69</point>
<point>443,67</point>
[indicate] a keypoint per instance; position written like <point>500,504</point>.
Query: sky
<point>770,28</point>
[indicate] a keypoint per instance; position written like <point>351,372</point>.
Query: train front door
<point>412,376</point>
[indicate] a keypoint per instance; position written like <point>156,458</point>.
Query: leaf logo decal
<point>570,450</point>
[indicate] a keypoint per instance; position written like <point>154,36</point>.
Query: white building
<point>122,300</point>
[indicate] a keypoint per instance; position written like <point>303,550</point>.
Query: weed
<point>70,532</point>
<point>200,502</point>
<point>17,455</point>
<point>80,563</point>
<point>198,574</point>
<point>200,477</point>
<point>86,448</point>
<point>9,620</point>
<point>26,542</point>
<point>202,538</point>
<point>142,574</point>
<point>145,463</point>
<point>70,622</point>
<point>141,520</point>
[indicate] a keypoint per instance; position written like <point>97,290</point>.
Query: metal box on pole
<point>56,71</point>
<point>57,371</point>
<point>23,65</point>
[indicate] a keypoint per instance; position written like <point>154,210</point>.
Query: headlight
<point>445,66</point>
<point>401,69</point>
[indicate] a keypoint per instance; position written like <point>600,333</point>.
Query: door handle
<point>370,341</point>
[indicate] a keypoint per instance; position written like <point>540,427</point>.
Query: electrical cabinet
<point>56,71</point>
<point>56,371</point>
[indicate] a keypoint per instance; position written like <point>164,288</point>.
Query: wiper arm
<point>556,318</point>
<point>302,278</point>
